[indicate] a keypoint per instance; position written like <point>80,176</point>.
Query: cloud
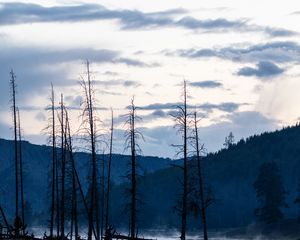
<point>278,52</point>
<point>220,23</point>
<point>18,13</point>
<point>118,82</point>
<point>279,32</point>
<point>135,62</point>
<point>242,124</point>
<point>206,84</point>
<point>36,68</point>
<point>40,116</point>
<point>262,70</point>
<point>225,107</point>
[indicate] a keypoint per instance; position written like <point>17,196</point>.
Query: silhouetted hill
<point>230,172</point>
<point>37,161</point>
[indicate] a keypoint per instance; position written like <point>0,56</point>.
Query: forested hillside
<point>230,173</point>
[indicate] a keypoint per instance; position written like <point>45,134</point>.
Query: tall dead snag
<point>88,125</point>
<point>181,123</point>
<point>51,131</point>
<point>21,170</point>
<point>14,110</point>
<point>63,165</point>
<point>198,149</point>
<point>107,223</point>
<point>74,210</point>
<point>132,135</point>
<point>102,185</point>
<point>54,168</point>
<point>17,221</point>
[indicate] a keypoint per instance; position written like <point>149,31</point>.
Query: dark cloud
<point>135,62</point>
<point>36,68</point>
<point>225,107</point>
<point>206,84</point>
<point>242,124</point>
<point>279,32</point>
<point>40,116</point>
<point>193,23</point>
<point>278,52</point>
<point>262,70</point>
<point>110,73</point>
<point>118,82</point>
<point>18,13</point>
<point>15,13</point>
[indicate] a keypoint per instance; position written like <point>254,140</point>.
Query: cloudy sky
<point>239,58</point>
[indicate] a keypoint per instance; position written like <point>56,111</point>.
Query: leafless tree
<point>51,132</point>
<point>18,221</point>
<point>74,209</point>
<point>132,136</point>
<point>14,111</point>
<point>181,124</point>
<point>198,148</point>
<point>21,170</point>
<point>107,223</point>
<point>62,122</point>
<point>89,121</point>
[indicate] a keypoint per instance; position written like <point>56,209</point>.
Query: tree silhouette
<point>107,222</point>
<point>198,149</point>
<point>21,170</point>
<point>19,220</point>
<point>181,123</point>
<point>132,136</point>
<point>270,193</point>
<point>51,131</point>
<point>229,140</point>
<point>88,125</point>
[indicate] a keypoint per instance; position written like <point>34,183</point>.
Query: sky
<point>239,58</point>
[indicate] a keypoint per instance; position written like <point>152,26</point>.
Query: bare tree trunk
<point>200,177</point>
<point>14,109</point>
<point>89,111</point>
<point>57,198</point>
<point>69,146</point>
<point>53,163</point>
<point>185,184</point>
<point>133,173</point>
<point>102,197</point>
<point>97,210</point>
<point>21,171</point>
<point>109,172</point>
<point>63,163</point>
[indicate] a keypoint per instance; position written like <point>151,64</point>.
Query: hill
<point>230,173</point>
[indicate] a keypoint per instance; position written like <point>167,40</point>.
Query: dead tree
<point>54,168</point>
<point>63,164</point>
<point>14,111</point>
<point>107,223</point>
<point>89,126</point>
<point>18,221</point>
<point>51,130</point>
<point>132,135</point>
<point>181,123</point>
<point>74,210</point>
<point>102,202</point>
<point>198,150</point>
<point>21,171</point>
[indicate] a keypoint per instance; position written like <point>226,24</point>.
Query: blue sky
<point>239,58</point>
